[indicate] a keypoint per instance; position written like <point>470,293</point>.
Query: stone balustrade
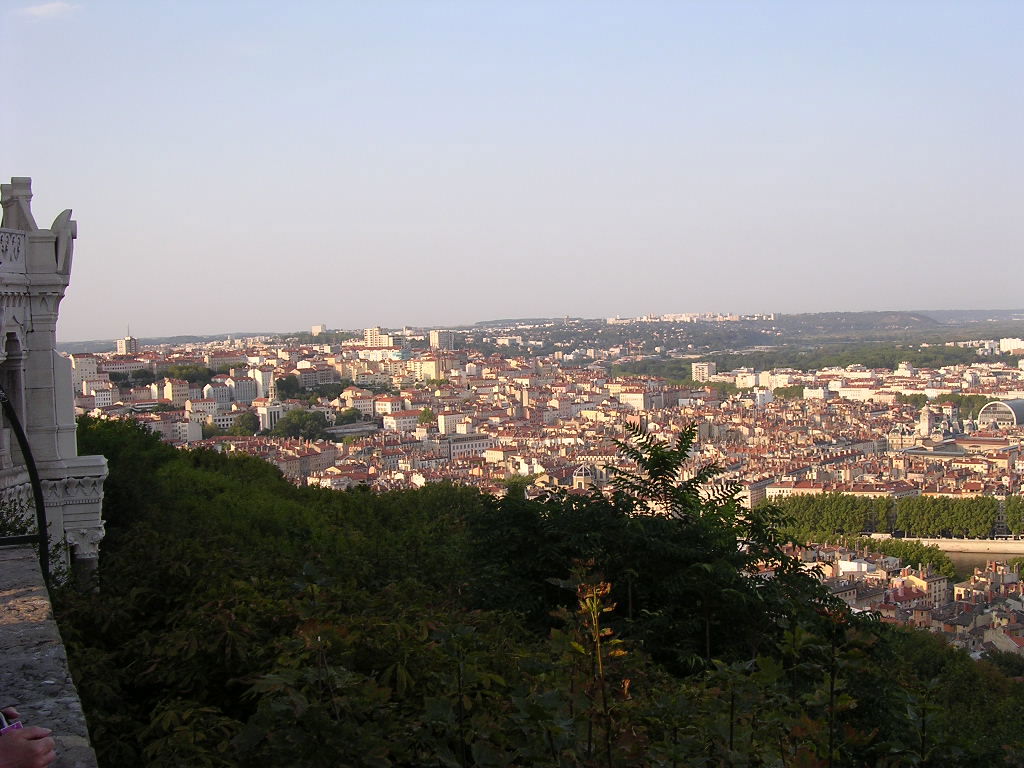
<point>34,672</point>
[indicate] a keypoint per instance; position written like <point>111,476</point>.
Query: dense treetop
<point>241,621</point>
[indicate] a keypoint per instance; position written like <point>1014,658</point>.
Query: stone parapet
<point>34,673</point>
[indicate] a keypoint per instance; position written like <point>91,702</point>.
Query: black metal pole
<point>37,486</point>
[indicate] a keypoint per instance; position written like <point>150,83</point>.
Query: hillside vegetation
<point>240,621</point>
<point>870,355</point>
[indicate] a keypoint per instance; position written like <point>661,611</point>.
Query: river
<point>966,562</point>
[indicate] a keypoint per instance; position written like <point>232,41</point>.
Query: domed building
<point>1001,414</point>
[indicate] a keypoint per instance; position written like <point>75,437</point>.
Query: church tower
<point>35,269</point>
<point>925,422</point>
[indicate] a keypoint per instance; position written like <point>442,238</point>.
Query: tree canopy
<point>242,621</point>
<point>193,374</point>
<point>824,517</point>
<point>288,387</point>
<point>348,416</point>
<point>794,392</point>
<point>309,425</point>
<point>246,423</point>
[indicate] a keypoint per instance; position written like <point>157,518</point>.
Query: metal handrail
<point>40,536</point>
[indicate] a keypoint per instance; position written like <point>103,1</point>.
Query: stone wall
<point>34,674</point>
<point>1002,546</point>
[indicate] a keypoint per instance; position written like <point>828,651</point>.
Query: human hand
<point>29,747</point>
<point>11,713</point>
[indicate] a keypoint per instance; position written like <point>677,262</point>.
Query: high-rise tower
<point>129,345</point>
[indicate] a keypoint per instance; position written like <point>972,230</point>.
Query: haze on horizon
<point>268,166</point>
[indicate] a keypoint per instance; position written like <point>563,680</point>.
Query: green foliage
<point>657,487</point>
<point>667,546</point>
<point>1010,664</point>
<point>348,416</point>
<point>18,518</point>
<point>426,416</point>
<point>241,621</point>
<point>828,516</point>
<point>516,486</point>
<point>209,430</point>
<point>916,401</point>
<point>1015,513</point>
<point>969,405</point>
<point>942,516</point>
<point>133,453</point>
<point>142,377</point>
<point>330,391</point>
<point>328,337</point>
<point>911,552</point>
<point>193,374</point>
<point>246,423</point>
<point>794,392</point>
<point>139,378</point>
<point>309,425</point>
<point>288,387</point>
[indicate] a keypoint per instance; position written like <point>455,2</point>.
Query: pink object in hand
<point>6,726</point>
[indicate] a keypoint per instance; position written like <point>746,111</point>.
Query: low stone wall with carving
<point>1002,546</point>
<point>34,672</point>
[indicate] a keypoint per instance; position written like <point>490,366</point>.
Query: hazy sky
<point>267,166</point>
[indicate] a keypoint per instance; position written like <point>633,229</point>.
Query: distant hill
<point>523,321</point>
<point>798,327</point>
<point>961,316</point>
<point>857,321</point>
<point>82,347</point>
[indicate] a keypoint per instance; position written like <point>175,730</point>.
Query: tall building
<point>374,337</point>
<point>442,340</point>
<point>263,375</point>
<point>925,421</point>
<point>129,345</point>
<point>83,366</point>
<point>35,270</point>
<point>703,371</point>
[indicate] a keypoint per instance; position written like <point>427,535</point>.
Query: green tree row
<point>1015,513</point>
<point>969,405</point>
<point>823,517</point>
<point>912,553</point>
